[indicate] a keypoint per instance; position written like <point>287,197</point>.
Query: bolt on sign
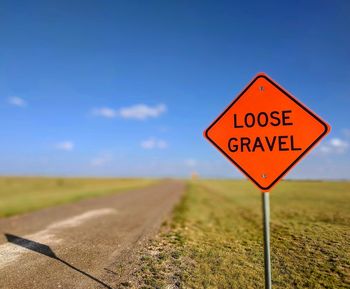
<point>265,131</point>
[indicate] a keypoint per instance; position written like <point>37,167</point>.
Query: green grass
<point>22,194</point>
<point>215,239</point>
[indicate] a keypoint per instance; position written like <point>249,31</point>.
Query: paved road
<point>89,244</point>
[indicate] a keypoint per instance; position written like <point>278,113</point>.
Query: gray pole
<point>266,224</point>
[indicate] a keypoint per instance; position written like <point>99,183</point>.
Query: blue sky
<point>125,88</point>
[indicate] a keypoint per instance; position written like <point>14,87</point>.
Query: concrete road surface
<point>89,244</point>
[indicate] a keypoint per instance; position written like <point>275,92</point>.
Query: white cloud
<point>334,146</point>
<point>142,111</point>
<point>139,111</point>
<point>17,101</point>
<point>338,143</point>
<point>325,149</point>
<point>101,160</point>
<point>65,146</point>
<point>105,112</point>
<point>153,143</point>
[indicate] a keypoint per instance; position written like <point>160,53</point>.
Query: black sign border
<point>326,130</point>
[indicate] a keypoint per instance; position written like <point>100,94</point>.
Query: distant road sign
<point>265,131</point>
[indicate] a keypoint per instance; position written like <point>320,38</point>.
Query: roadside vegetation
<point>24,194</point>
<point>215,238</point>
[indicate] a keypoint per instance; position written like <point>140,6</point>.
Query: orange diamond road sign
<point>265,131</point>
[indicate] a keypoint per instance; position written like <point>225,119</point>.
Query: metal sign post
<point>266,225</point>
<point>265,123</point>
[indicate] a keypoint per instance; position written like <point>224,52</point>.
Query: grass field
<point>215,239</point>
<point>20,194</point>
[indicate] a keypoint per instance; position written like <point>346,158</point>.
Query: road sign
<point>265,131</point>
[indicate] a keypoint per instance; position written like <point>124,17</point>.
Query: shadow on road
<point>46,250</point>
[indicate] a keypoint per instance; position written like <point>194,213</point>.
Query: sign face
<point>265,131</point>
